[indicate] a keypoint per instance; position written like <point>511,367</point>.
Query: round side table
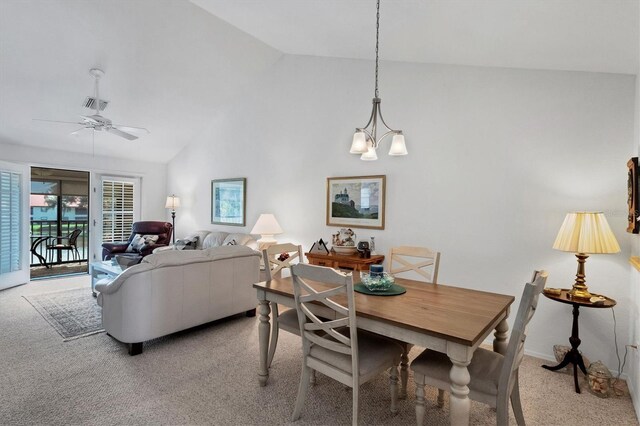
<point>573,356</point>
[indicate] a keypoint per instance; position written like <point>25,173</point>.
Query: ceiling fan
<point>96,121</point>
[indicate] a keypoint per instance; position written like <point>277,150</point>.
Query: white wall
<point>153,175</point>
<point>497,157</point>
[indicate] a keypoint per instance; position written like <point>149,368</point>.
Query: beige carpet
<point>209,376</point>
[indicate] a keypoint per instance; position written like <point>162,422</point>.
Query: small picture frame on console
<point>319,247</point>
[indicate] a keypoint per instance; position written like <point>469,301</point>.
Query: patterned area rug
<point>73,313</point>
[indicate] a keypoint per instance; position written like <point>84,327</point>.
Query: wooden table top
<point>456,314</point>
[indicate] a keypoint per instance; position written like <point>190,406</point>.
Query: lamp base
<point>579,289</point>
<point>580,293</point>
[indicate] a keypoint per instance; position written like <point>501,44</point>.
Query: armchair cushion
<point>141,242</point>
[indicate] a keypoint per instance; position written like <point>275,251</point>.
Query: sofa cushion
<point>201,234</point>
<point>139,242</point>
<point>240,239</point>
<point>214,239</point>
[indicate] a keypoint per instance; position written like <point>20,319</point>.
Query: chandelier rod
<point>377,42</point>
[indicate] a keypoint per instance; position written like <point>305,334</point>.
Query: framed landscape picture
<point>228,201</point>
<point>356,202</point>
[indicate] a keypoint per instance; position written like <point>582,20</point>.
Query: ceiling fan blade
<point>88,118</point>
<point>131,128</point>
<point>122,134</point>
<point>75,132</point>
<point>56,121</point>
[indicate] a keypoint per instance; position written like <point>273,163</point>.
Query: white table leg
<point>500,336</point>
<point>264,329</point>
<point>459,403</point>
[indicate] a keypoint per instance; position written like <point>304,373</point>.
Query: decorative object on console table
<point>319,247</point>
<point>585,233</point>
<point>173,203</point>
<point>344,241</point>
<point>356,202</point>
<point>574,356</point>
<point>267,226</point>
<point>632,198</point>
<point>342,261</point>
<point>229,201</point>
<point>365,140</point>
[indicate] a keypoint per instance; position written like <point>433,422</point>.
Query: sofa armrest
<point>110,287</point>
<point>110,249</point>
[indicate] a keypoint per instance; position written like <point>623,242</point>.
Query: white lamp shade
<point>398,146</point>
<point>267,225</point>
<point>586,232</point>
<point>371,154</point>
<point>172,203</point>
<point>359,144</point>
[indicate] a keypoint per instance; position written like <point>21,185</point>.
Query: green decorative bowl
<point>377,283</point>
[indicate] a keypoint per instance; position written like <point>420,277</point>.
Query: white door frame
<point>21,276</point>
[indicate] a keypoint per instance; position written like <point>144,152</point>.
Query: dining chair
<point>494,377</point>
<point>70,246</point>
<point>422,264</point>
<point>336,348</point>
<point>287,320</point>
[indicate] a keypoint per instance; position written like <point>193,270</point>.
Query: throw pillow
<point>187,243</point>
<point>140,242</point>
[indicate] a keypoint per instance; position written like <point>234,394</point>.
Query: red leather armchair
<point>162,229</point>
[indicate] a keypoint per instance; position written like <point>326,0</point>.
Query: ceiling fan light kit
<point>97,122</point>
<point>365,139</point>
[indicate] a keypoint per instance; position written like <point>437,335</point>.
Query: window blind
<point>10,217</point>
<point>117,210</point>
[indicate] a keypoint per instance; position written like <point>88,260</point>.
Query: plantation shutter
<point>10,222</point>
<point>117,210</point>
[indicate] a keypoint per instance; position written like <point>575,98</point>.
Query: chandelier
<point>365,139</point>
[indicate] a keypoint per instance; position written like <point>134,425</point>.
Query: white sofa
<point>174,290</point>
<point>208,239</point>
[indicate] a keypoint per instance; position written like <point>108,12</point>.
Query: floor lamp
<point>173,203</point>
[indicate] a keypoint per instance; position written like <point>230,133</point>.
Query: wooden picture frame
<point>632,196</point>
<point>229,201</point>
<point>356,201</point>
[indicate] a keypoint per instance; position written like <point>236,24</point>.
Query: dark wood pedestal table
<point>573,356</point>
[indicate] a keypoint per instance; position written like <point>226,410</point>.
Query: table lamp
<point>173,203</point>
<point>267,226</point>
<point>585,233</point>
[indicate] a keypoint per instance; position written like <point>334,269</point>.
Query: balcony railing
<point>44,228</point>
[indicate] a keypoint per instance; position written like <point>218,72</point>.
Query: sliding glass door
<point>14,224</point>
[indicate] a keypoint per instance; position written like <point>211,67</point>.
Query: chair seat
<point>484,369</point>
<point>374,352</point>
<point>288,320</point>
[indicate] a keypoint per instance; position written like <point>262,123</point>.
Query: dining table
<point>445,318</point>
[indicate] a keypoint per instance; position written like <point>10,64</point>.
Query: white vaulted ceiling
<point>577,35</point>
<point>173,66</point>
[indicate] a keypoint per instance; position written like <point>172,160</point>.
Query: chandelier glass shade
<point>365,139</point>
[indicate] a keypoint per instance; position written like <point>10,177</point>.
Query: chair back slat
<point>310,287</point>
<point>403,259</point>
<point>515,349</point>
<point>273,267</point>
